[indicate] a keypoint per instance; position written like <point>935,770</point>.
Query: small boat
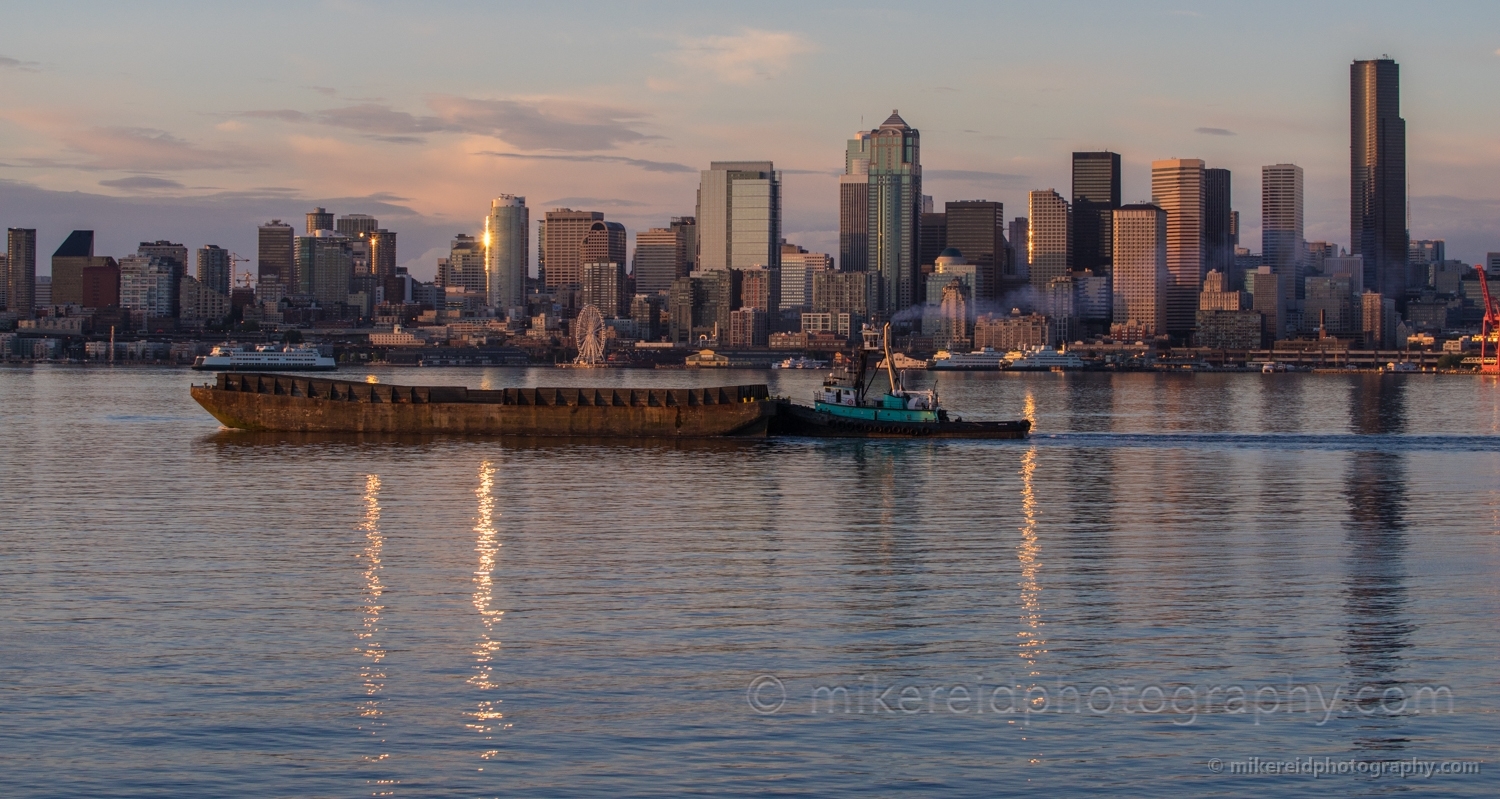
<point>842,408</point>
<point>264,358</point>
<point>982,360</point>
<point>1043,359</point>
<point>903,362</point>
<point>800,363</point>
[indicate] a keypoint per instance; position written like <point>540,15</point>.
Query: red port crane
<point>1489,329</point>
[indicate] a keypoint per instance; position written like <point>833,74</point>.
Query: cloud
<point>141,183</point>
<point>1497,52</point>
<point>584,202</point>
<point>18,65</point>
<point>148,149</point>
<point>527,125</point>
<point>753,55</point>
<point>975,175</point>
<point>649,166</point>
<point>1214,131</point>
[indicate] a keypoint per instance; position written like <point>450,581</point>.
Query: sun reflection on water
<point>487,545</point>
<point>372,672</point>
<point>1032,645</point>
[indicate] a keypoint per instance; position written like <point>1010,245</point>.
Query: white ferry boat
<point>1043,359</point>
<point>985,360</point>
<point>800,363</point>
<point>264,358</point>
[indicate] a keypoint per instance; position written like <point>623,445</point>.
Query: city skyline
<point>425,147</point>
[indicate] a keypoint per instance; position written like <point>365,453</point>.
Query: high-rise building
<point>215,268</point>
<point>507,231</point>
<point>1140,268</point>
<point>842,292</point>
<point>172,254</point>
<point>1379,320</point>
<point>854,205</point>
<point>20,271</point>
<point>561,240</point>
<point>660,258</point>
<point>1020,247</point>
<point>686,228</point>
<point>977,229</point>
<point>69,263</point>
<point>798,270</point>
<point>1267,297</point>
<point>760,287</point>
<point>604,243</point>
<point>149,287</point>
<point>1049,251</point>
<point>1422,255</point>
<point>465,267</point>
<point>1281,238</point>
<point>319,219</point>
<point>934,237</point>
<point>895,200</point>
<point>352,225</point>
<point>1219,226</point>
<point>1377,176</point>
<point>1096,195</point>
<point>739,215</point>
<point>605,287</point>
<point>1177,188</point>
<point>276,259</point>
<point>1492,264</point>
<point>325,264</point>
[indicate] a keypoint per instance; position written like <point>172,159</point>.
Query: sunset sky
<point>196,121</point>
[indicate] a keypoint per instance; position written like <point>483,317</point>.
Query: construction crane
<point>245,278</point>
<point>1489,328</point>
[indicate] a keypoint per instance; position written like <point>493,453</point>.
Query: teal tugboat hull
<point>799,420</point>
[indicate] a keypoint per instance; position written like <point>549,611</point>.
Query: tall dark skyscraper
<point>20,276</point>
<point>1377,176</point>
<point>977,229</point>
<point>276,254</point>
<point>1096,195</point>
<point>895,210</point>
<point>1218,236</point>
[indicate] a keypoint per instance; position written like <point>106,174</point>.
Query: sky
<point>199,121</point>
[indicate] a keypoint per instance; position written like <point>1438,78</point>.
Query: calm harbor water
<point>1175,571</point>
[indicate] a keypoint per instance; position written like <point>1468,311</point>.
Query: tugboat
<point>842,408</point>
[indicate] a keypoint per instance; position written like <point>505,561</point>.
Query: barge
<point>288,403</point>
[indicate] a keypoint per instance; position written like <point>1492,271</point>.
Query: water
<point>188,612</point>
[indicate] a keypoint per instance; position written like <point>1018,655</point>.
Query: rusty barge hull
<point>311,405</point>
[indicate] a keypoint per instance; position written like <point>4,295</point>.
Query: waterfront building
<point>1049,245</point>
<point>839,324</point>
<point>1379,320</point>
<point>1377,176</point>
<point>1096,195</point>
<point>1177,188</point>
<point>72,257</point>
<point>560,241</point>
<point>20,271</point>
<point>976,228</point>
<point>1140,268</point>
<point>605,287</point>
<point>215,268</point>
<point>1282,245</point>
<point>1220,228</point>
<point>507,250</point>
<point>1230,330</point>
<point>739,215</point>
<point>1015,331</point>
<point>798,268</point>
<point>854,205</point>
<point>660,258</point>
<point>895,205</point>
<point>318,219</point>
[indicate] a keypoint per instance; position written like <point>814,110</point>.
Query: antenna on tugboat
<point>890,367</point>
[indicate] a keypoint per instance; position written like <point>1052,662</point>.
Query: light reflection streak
<point>487,545</point>
<point>372,673</point>
<point>1031,643</point>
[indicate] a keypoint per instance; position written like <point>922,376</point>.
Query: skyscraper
<point>895,200</point>
<point>560,239</point>
<point>1049,247</point>
<point>1281,238</point>
<point>798,270</point>
<point>686,228</point>
<point>319,219</point>
<point>507,231</point>
<point>659,259</point>
<point>214,268</point>
<point>1096,195</point>
<point>739,215</point>
<point>325,263</point>
<point>382,252</point>
<point>1377,176</point>
<point>977,229</point>
<point>74,255</point>
<point>275,256</point>
<point>465,266</point>
<point>1019,242</point>
<point>1140,263</point>
<point>1177,188</point>
<point>20,271</point>
<point>603,244</point>
<point>854,205</point>
<point>1218,225</point>
<point>352,225</point>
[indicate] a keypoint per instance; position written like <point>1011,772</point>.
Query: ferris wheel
<point>589,333</point>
